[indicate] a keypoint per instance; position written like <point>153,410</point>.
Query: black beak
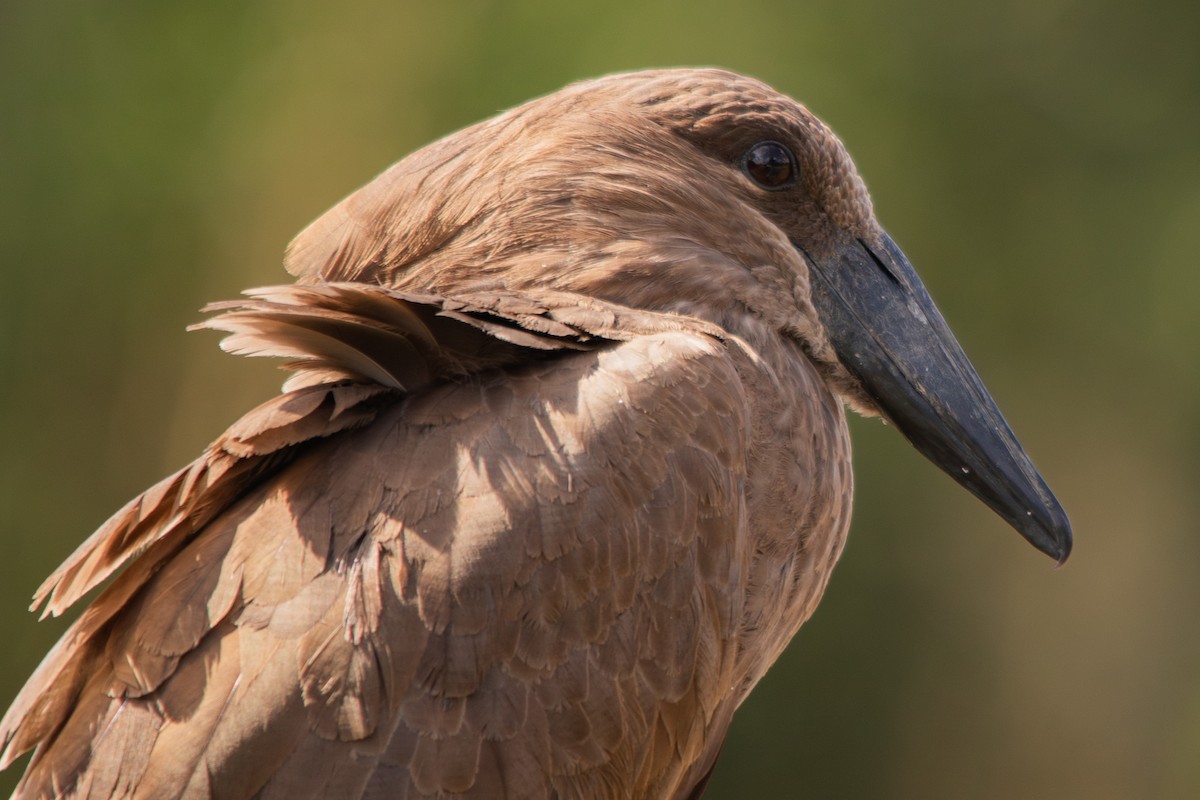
<point>889,335</point>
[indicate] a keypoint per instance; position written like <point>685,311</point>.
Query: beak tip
<point>1064,549</point>
<point>1052,536</point>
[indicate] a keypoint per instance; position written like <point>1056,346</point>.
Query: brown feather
<point>561,468</point>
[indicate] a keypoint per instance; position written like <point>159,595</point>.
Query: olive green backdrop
<point>1039,160</point>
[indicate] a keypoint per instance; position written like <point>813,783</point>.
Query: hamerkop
<point>562,467</point>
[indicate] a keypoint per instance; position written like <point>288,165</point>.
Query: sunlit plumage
<point>562,468</point>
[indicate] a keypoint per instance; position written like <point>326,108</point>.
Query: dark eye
<point>770,165</point>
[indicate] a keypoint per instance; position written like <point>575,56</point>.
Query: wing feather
<point>444,592</point>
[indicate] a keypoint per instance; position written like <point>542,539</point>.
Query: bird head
<point>702,192</point>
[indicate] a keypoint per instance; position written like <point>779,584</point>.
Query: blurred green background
<point>1039,161</point>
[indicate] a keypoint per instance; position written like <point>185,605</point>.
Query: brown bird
<point>562,469</point>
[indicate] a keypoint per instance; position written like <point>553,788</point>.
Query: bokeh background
<point>1039,160</point>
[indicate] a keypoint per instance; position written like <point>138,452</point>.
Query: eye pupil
<point>770,165</point>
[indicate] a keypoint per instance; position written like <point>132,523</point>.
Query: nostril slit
<point>881,264</point>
